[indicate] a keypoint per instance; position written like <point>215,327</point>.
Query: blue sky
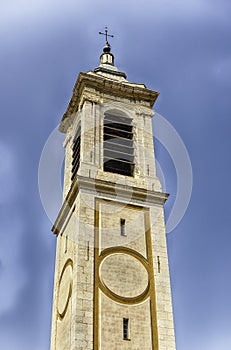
<point>179,48</point>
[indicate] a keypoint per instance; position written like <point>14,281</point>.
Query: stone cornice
<point>133,92</point>
<point>105,70</point>
<point>102,188</point>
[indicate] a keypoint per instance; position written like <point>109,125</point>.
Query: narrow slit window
<point>148,170</point>
<point>126,329</point>
<point>65,249</point>
<point>87,250</point>
<point>122,227</point>
<point>158,264</point>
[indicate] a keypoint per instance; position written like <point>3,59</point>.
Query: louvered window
<point>76,153</point>
<point>118,145</point>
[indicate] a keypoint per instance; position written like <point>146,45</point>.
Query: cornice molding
<point>103,188</point>
<point>103,85</point>
<point>109,71</point>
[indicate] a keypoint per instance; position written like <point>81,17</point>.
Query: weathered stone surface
<point>102,276</point>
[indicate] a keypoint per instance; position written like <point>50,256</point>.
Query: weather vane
<point>106,35</point>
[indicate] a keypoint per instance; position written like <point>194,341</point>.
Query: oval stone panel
<point>65,288</point>
<point>124,275</point>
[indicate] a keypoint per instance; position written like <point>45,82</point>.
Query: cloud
<point>221,70</point>
<point>11,273</point>
<point>14,12</point>
<point>12,276</point>
<point>8,174</point>
<point>216,339</point>
<point>177,45</point>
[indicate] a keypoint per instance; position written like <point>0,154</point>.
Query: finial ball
<point>107,48</point>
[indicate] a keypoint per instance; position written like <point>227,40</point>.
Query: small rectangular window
<point>122,227</point>
<point>126,329</point>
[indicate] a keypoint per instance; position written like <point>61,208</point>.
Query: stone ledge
<point>101,187</point>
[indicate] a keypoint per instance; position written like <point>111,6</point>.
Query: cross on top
<point>106,35</point>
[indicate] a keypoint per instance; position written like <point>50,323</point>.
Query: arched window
<point>118,144</point>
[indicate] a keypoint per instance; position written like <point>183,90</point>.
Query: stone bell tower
<point>112,285</point>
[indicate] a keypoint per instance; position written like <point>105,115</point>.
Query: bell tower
<point>112,285</point>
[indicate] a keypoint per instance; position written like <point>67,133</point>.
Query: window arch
<point>118,144</point>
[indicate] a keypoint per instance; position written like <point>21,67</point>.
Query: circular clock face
<point>65,288</point>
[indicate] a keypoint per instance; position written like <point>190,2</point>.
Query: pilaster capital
<point>90,97</point>
<point>146,112</point>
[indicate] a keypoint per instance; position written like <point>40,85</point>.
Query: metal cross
<point>106,35</point>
